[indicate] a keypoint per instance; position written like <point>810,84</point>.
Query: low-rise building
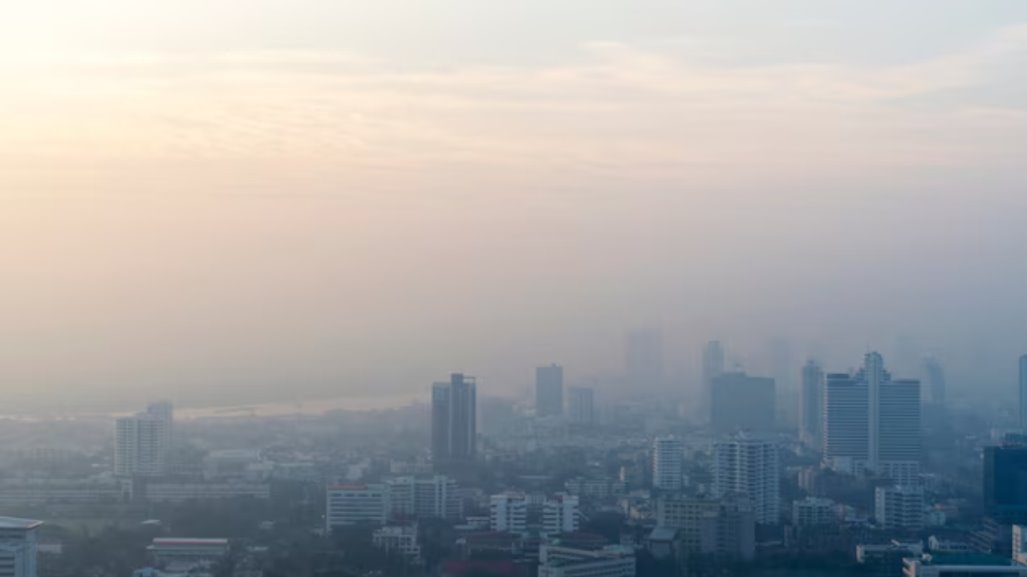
<point>612,561</point>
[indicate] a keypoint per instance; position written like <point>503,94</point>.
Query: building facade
<point>549,391</point>
<point>454,421</point>
<point>749,467</point>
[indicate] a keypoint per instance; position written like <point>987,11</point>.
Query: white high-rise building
<point>872,423</point>
<point>18,549</point>
<point>668,456</point>
<point>560,514</point>
<point>811,405</point>
<point>899,507</point>
<point>508,513</point>
<point>748,466</point>
<point>352,504</point>
<point>581,405</point>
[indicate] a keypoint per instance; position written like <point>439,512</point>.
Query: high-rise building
<point>712,367</point>
<point>1005,482</point>
<point>581,405</point>
<point>935,390</point>
<point>610,561</point>
<point>872,423</point>
<point>454,421</point>
<point>1023,393</point>
<point>353,504</point>
<point>668,457</point>
<point>549,391</point>
<point>508,513</point>
<point>643,358</point>
<point>811,405</point>
<point>749,467</point>
<point>18,549</point>
<point>560,514</point>
<point>742,403</point>
<point>899,507</point>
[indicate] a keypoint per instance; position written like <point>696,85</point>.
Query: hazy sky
<point>226,197</point>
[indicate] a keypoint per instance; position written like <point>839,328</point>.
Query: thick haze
<point>265,199</point>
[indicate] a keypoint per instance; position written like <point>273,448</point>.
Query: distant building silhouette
<point>712,367</point>
<point>742,403</point>
<point>935,390</point>
<point>454,421</point>
<point>643,358</point>
<point>1023,393</point>
<point>581,405</point>
<point>549,391</point>
<point>872,423</point>
<point>811,405</point>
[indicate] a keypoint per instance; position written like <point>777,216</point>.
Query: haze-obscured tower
<point>935,375</point>
<point>549,391</point>
<point>643,358</point>
<point>811,405</point>
<point>454,421</point>
<point>581,405</point>
<point>1023,393</point>
<point>742,403</point>
<point>712,367</point>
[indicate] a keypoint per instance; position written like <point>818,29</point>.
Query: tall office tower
<point>749,466</point>
<point>668,457</point>
<point>549,391</point>
<point>18,549</point>
<point>742,403</point>
<point>560,514</point>
<point>872,423</point>
<point>164,413</point>
<point>811,405</point>
<point>581,405</point>
<point>1023,393</point>
<point>454,421</point>
<point>643,358</point>
<point>1005,482</point>
<point>141,446</point>
<point>508,513</point>
<point>712,367</point>
<point>935,392</point>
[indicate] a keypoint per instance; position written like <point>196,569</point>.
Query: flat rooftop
<point>18,523</point>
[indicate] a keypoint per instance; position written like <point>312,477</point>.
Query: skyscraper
<point>811,405</point>
<point>935,391</point>
<point>581,405</point>
<point>712,367</point>
<point>454,421</point>
<point>143,442</point>
<point>1023,393</point>
<point>668,457</point>
<point>872,423</point>
<point>742,403</point>
<point>549,391</point>
<point>643,358</point>
<point>749,466</point>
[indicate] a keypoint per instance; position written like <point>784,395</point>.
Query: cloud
<point>617,111</point>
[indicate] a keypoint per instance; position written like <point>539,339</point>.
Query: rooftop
<point>18,523</point>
